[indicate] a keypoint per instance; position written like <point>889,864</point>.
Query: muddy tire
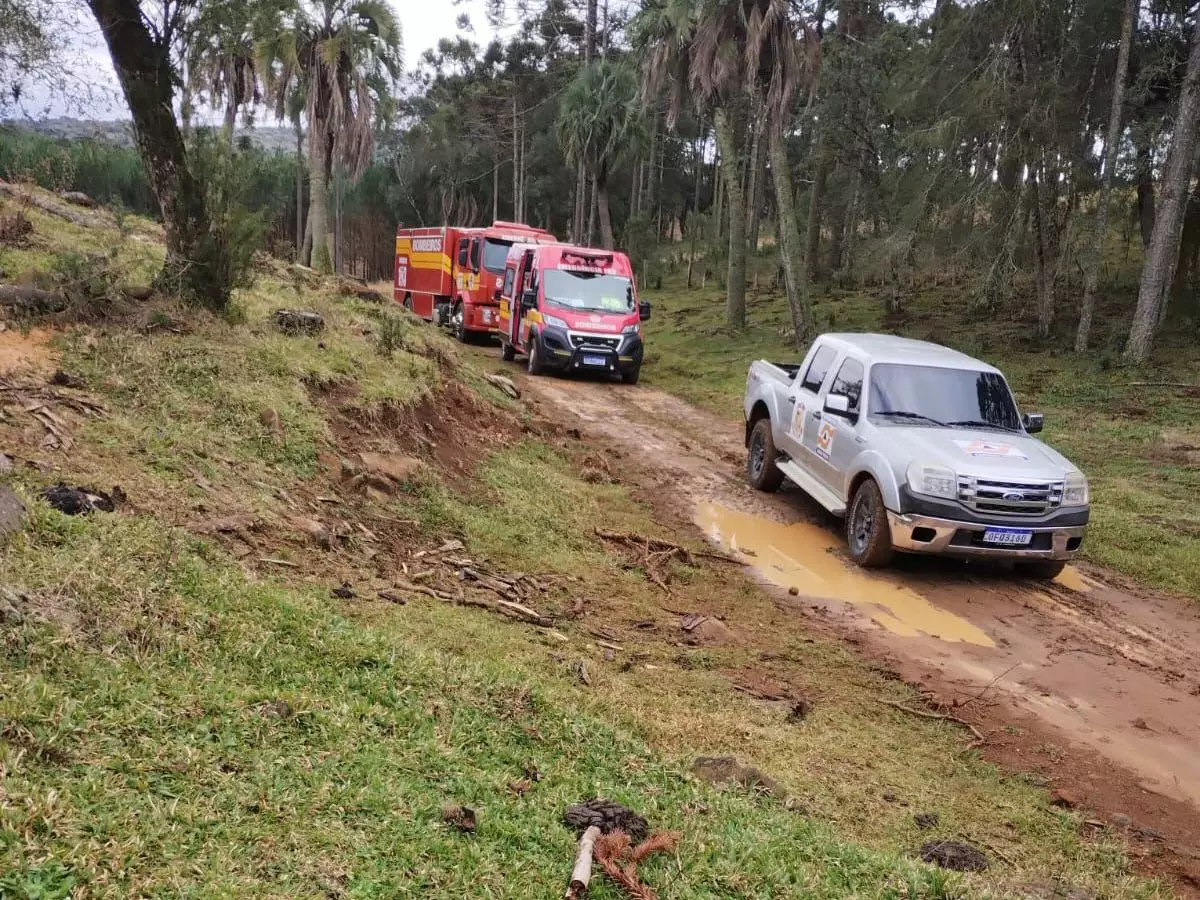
<point>631,376</point>
<point>761,470</point>
<point>535,358</point>
<point>458,322</point>
<point>507,351</point>
<point>868,534</point>
<point>1041,569</point>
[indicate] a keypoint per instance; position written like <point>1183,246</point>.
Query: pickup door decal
<point>797,426</point>
<point>825,440</point>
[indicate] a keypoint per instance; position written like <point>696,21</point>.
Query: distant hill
<point>121,133</point>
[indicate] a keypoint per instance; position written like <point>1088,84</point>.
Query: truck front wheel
<point>761,470</point>
<point>535,357</point>
<point>458,319</point>
<point>867,531</point>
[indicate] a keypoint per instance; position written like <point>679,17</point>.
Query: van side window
<point>464,248</point>
<point>818,369</point>
<point>510,275</point>
<point>848,382</point>
<point>476,249</point>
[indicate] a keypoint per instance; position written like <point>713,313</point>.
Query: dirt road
<point>1088,680</point>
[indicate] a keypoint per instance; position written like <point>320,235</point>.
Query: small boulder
<point>723,769</point>
<point>1065,798</point>
<point>954,855</point>
<point>314,529</point>
<point>384,472</point>
<point>710,633</point>
<point>299,321</point>
<point>273,421</point>
<point>12,511</point>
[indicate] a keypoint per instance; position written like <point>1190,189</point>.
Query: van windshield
<point>588,291</point>
<point>495,254</point>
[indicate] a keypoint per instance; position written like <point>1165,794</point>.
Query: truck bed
<point>778,371</point>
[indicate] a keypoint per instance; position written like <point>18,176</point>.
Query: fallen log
<point>53,207</point>
<point>505,384</point>
<point>31,300</point>
<point>524,613</point>
<point>581,874</point>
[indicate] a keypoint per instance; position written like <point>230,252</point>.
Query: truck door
<point>526,282</point>
<point>837,441</point>
<point>802,403</point>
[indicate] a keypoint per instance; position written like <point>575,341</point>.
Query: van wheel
<point>458,323</point>
<point>535,358</point>
<point>408,302</point>
<point>1041,569</point>
<point>507,351</point>
<point>761,470</point>
<point>631,376</point>
<point>867,529</point>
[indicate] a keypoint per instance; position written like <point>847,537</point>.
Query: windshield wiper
<point>979,423</point>
<point>903,414</point>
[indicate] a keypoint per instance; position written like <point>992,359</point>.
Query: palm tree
<point>600,122</point>
<point>780,65</point>
<point>222,62</point>
<point>346,56</point>
<point>698,46</point>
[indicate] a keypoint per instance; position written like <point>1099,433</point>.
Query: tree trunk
<point>816,208</point>
<point>756,186</point>
<point>1144,145</point>
<point>789,236</point>
<point>593,202</point>
<point>1042,250</point>
<point>1091,275</point>
<point>230,123</point>
<point>318,199</point>
<point>1163,254</point>
<point>606,229</point>
<point>299,190</point>
<point>735,301</point>
<point>196,266</point>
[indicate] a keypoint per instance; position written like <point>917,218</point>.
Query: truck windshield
<point>931,395</point>
<point>495,254</point>
<point>588,291</point>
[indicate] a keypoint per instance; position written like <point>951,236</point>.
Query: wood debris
<point>44,404</point>
<point>504,384</point>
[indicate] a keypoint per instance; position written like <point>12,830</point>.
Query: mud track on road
<point>1089,681</point>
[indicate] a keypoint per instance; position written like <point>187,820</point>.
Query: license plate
<point>595,361</point>
<point>1012,537</point>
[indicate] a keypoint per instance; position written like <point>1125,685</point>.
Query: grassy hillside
<point>186,709</point>
<point>1138,444</point>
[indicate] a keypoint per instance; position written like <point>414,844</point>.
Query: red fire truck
<point>452,276</point>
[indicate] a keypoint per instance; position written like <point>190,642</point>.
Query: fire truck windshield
<point>588,291</point>
<point>495,253</point>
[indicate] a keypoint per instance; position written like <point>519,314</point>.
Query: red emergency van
<point>572,309</point>
<point>452,276</point>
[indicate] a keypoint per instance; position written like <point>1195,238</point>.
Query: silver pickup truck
<point>920,448</point>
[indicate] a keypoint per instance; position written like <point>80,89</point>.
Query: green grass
<point>1135,444</point>
<point>138,745</point>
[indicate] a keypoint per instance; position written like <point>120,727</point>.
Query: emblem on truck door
<point>825,440</point>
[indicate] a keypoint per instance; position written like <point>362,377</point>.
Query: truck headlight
<point>635,328</point>
<point>1075,491</point>
<point>553,321</point>
<point>933,481</point>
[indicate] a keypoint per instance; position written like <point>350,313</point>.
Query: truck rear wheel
<point>458,321</point>
<point>408,302</point>
<point>761,470</point>
<point>867,531</point>
<point>507,351</point>
<point>1041,569</point>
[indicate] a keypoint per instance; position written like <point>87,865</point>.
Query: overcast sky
<point>422,23</point>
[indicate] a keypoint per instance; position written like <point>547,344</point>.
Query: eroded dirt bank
<point>1090,681</point>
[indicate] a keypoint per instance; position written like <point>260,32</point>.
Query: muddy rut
<point>1089,680</point>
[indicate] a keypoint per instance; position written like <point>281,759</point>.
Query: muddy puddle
<point>806,558</point>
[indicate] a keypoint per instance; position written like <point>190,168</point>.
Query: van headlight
<point>1075,491</point>
<point>932,481</point>
<point>635,328</point>
<point>553,321</point>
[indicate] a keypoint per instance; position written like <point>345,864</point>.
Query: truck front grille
<point>581,341</point>
<point>1010,498</point>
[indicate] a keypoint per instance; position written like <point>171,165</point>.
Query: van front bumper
<point>914,533</point>
<point>562,351</point>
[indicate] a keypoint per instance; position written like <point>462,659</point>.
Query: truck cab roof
<point>887,348</point>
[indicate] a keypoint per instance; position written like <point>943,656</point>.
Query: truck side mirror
<point>1033,422</point>
<point>837,403</point>
<point>644,310</point>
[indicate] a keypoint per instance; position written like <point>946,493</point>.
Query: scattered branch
<point>932,715</point>
<point>581,874</point>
